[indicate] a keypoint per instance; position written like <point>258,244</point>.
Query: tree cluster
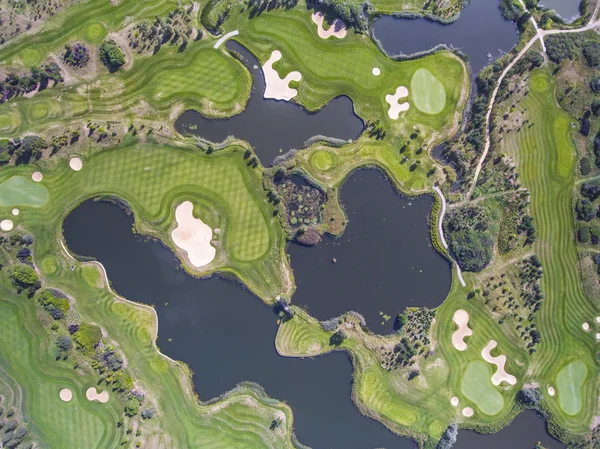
<point>111,55</point>
<point>175,29</point>
<point>15,84</point>
<point>76,55</point>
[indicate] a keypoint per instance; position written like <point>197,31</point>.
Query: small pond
<point>567,9</point>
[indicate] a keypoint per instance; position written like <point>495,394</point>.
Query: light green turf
<point>322,160</point>
<point>427,93</point>
<point>94,33</point>
<point>49,265</point>
<point>478,388</point>
<point>30,57</point>
<point>21,191</point>
<point>91,274</point>
<point>569,383</point>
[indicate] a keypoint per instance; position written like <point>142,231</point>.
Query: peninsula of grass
<point>333,67</point>
<point>153,179</point>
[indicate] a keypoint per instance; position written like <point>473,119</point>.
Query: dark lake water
<point>385,261</point>
<point>480,32</point>
<point>567,9</point>
<point>226,335</point>
<point>273,125</point>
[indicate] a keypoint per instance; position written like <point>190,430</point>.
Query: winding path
<point>540,34</point>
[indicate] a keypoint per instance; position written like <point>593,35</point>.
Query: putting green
<point>477,387</point>
<point>49,265</point>
<point>30,57</point>
<point>322,160</point>
<point>38,110</point>
<point>20,191</point>
<point>570,381</point>
<point>427,93</point>
<point>94,33</point>
<point>91,275</point>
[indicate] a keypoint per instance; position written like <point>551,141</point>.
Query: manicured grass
<point>478,388</point>
<point>322,160</point>
<point>569,382</point>
<point>49,265</point>
<point>427,92</point>
<point>91,274</point>
<point>333,67</point>
<point>94,33</point>
<point>30,57</point>
<point>21,191</point>
<point>545,160</point>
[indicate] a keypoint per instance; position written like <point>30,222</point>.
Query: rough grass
<point>22,191</point>
<point>478,388</point>
<point>545,157</point>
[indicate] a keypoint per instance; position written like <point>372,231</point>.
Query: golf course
<point>89,100</point>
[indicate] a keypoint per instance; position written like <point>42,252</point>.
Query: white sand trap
<point>6,225</point>
<point>395,107</point>
<point>75,163</point>
<point>92,395</point>
<point>65,395</point>
<point>598,336</point>
<point>598,319</point>
<point>376,71</point>
<point>337,28</point>
<point>37,176</point>
<point>551,391</point>
<point>454,401</point>
<point>468,412</point>
<point>461,318</point>
<point>15,212</point>
<point>193,236</point>
<point>586,326</point>
<point>500,375</point>
<point>275,87</point>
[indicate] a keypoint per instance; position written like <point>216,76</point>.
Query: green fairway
<point>20,191</point>
<point>569,383</point>
<point>427,92</point>
<point>545,157</point>
<point>478,388</point>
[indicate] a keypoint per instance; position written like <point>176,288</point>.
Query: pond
<point>567,9</point>
<point>480,32</point>
<point>273,127</point>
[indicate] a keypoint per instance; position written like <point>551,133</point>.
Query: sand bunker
<point>15,212</point>
<point>598,319</point>
<point>376,71</point>
<point>276,87</point>
<point>337,28</point>
<point>598,336</point>
<point>454,401</point>
<point>37,176</point>
<point>193,236</point>
<point>586,326</point>
<point>461,318</point>
<point>500,375</point>
<point>65,395</point>
<point>395,107</point>
<point>551,391</point>
<point>468,412</point>
<point>75,163</point>
<point>6,225</point>
<point>92,395</point>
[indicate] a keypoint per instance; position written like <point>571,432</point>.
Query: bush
<point>76,55</point>
<point>111,55</point>
<point>595,84</point>
<point>337,338</point>
<point>472,249</point>
<point>132,407</point>
<point>449,437</point>
<point>595,233</point>
<point>87,338</point>
<point>148,413</point>
<point>585,210</point>
<point>584,235</point>
<point>562,46</point>
<point>596,107</point>
<point>55,306</point>
<point>591,51</point>
<point>530,397</point>
<point>30,149</point>
<point>585,168</point>
<point>585,126</point>
<point>25,277</point>
<point>591,190</point>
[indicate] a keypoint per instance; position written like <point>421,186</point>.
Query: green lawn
<point>427,92</point>
<point>478,388</point>
<point>545,159</point>
<point>569,384</point>
<point>22,191</point>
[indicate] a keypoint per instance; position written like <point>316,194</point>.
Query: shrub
<point>585,168</point>
<point>30,149</point>
<point>337,338</point>
<point>595,233</point>
<point>87,338</point>
<point>54,305</point>
<point>132,407</point>
<point>111,55</point>
<point>64,345</point>
<point>595,84</point>
<point>585,126</point>
<point>584,234</point>
<point>530,397</point>
<point>473,249</point>
<point>591,190</point>
<point>591,51</point>
<point>148,413</point>
<point>585,210</point>
<point>76,55</point>
<point>449,437</point>
<point>25,277</point>
<point>562,46</point>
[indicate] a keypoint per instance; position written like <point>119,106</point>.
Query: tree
<point>132,407</point>
<point>337,338</point>
<point>596,107</point>
<point>87,338</point>
<point>25,277</point>
<point>148,413</point>
<point>111,55</point>
<point>584,234</point>
<point>530,397</point>
<point>595,84</point>
<point>591,51</point>
<point>30,149</point>
<point>585,210</point>
<point>401,321</point>
<point>449,437</point>
<point>591,190</point>
<point>76,55</point>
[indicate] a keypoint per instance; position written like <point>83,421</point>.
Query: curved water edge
<point>273,127</point>
<point>480,32</point>
<point>569,10</point>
